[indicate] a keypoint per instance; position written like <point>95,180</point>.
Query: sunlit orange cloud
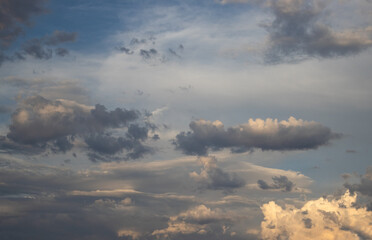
<point>317,219</point>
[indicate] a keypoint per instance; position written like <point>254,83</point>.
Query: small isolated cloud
<point>317,219</point>
<point>129,233</point>
<point>41,123</point>
<point>365,185</point>
<point>300,29</point>
<point>197,220</point>
<point>298,32</point>
<point>213,177</point>
<point>269,134</point>
<point>279,183</point>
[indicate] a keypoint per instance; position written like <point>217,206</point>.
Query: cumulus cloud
<point>195,220</point>
<point>213,177</point>
<point>281,182</point>
<point>43,123</point>
<point>365,185</point>
<point>317,219</point>
<point>269,134</point>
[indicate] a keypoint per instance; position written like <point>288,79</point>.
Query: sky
<point>185,119</point>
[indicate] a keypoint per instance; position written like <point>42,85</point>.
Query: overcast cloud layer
<point>185,120</point>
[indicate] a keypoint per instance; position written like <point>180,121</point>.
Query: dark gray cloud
<point>63,144</point>
<point>9,146</point>
<point>365,185</point>
<point>214,178</point>
<point>281,182</point>
<point>147,50</point>
<point>298,31</point>
<point>61,52</point>
<point>301,29</point>
<point>44,124</point>
<point>36,49</point>
<point>148,54</point>
<point>266,134</point>
<point>105,145</point>
<point>40,47</point>
<point>136,41</point>
<point>14,14</point>
<point>174,53</point>
<point>125,50</point>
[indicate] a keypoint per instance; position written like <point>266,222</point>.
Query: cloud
<point>17,14</point>
<point>47,87</point>
<point>14,15</point>
<point>129,233</point>
<point>38,196</point>
<point>281,182</point>
<point>39,47</point>
<point>43,123</point>
<point>365,185</point>
<point>317,219</point>
<point>213,177</point>
<point>269,134</point>
<point>149,52</point>
<point>300,29</point>
<point>104,146</point>
<point>297,32</point>
<point>195,220</point>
